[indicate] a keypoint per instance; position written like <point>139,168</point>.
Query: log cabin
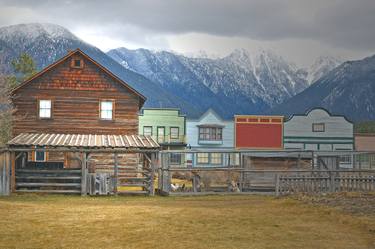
<point>76,114</point>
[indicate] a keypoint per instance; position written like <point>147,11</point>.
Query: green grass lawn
<point>51,221</point>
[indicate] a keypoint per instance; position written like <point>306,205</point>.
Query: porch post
<point>12,159</point>
<point>152,176</point>
<point>116,173</point>
<point>84,175</point>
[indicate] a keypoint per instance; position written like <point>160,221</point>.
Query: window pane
<point>45,108</point>
<point>318,127</point>
<point>174,132</point>
<point>147,130</point>
<point>106,106</point>
<point>45,113</point>
<point>216,158</point>
<point>161,131</point>
<point>106,114</point>
<point>39,156</point>
<point>202,158</point>
<point>175,158</point>
<point>45,104</point>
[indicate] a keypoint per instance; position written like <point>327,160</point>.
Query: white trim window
<point>174,132</point>
<point>106,110</point>
<point>40,156</point>
<point>45,108</point>
<point>318,127</point>
<point>147,130</point>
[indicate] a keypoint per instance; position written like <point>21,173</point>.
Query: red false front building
<point>258,132</point>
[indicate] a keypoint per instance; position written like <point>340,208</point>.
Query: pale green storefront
<point>167,126</point>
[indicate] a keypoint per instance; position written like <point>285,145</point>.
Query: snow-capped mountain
<point>238,83</point>
<point>321,66</point>
<point>349,89</point>
<point>48,42</point>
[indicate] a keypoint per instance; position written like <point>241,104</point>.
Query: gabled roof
<point>78,51</point>
<point>211,111</point>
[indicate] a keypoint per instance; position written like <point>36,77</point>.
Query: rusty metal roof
<point>85,141</point>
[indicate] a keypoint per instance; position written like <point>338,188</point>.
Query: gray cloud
<point>340,23</point>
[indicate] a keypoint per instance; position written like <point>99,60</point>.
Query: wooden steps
<point>48,180</point>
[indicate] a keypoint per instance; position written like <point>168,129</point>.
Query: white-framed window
<point>45,108</point>
<point>210,133</point>
<point>318,127</point>
<point>147,130</point>
<point>345,159</point>
<point>202,158</point>
<point>40,156</point>
<point>106,109</point>
<point>175,158</point>
<point>216,158</point>
<point>174,133</point>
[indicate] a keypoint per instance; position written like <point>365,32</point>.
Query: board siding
<point>259,132</point>
<point>75,95</point>
<point>338,133</point>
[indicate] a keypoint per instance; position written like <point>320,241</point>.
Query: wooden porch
<point>81,164</point>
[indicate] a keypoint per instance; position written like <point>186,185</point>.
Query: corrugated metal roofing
<point>85,140</point>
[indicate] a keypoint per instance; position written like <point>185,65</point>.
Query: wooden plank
<point>50,177</point>
<point>115,173</point>
<point>47,184</point>
<point>152,175</point>
<point>55,191</point>
<point>13,171</point>
<point>84,175</point>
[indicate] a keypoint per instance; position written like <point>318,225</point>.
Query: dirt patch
<point>353,203</point>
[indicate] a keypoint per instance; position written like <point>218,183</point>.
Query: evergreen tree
<point>24,67</point>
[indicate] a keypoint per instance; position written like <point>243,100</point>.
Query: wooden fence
<point>326,182</point>
<point>5,178</point>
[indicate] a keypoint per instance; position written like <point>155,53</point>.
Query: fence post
<point>153,163</point>
<point>12,163</point>
<point>116,173</point>
<point>84,175</point>
<point>332,181</point>
<point>277,187</point>
<point>242,175</point>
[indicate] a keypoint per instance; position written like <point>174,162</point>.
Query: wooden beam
<point>12,159</point>
<point>84,175</point>
<point>116,173</point>
<point>152,175</point>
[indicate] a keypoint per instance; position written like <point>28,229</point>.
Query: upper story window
<point>45,108</point>
<point>147,130</point>
<point>106,110</point>
<point>318,127</point>
<point>211,133</point>
<point>77,63</point>
<point>174,134</point>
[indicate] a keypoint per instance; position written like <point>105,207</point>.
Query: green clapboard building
<point>167,126</point>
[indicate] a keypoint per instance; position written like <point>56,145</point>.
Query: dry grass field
<point>41,221</point>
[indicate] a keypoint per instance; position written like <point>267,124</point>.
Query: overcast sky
<point>299,30</point>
